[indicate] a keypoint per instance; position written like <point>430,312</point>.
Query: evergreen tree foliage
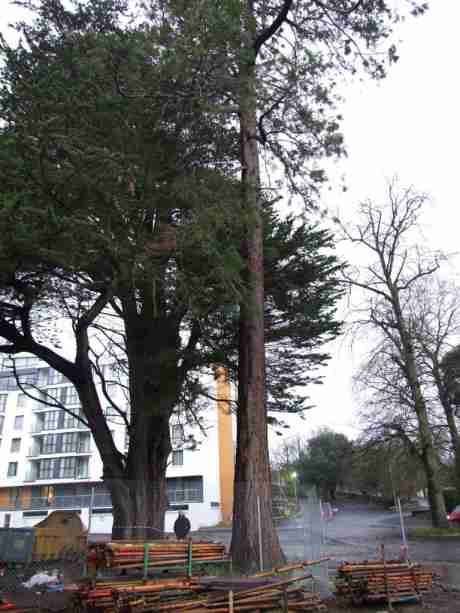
<point>120,211</point>
<point>326,462</point>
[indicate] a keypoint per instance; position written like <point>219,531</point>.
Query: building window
<point>50,394</point>
<point>15,445</point>
<point>69,421</point>
<point>25,380</point>
<point>3,399</point>
<point>71,397</point>
<point>177,435</point>
<point>21,363</point>
<point>178,458</point>
<point>49,443</point>
<point>22,401</point>
<point>67,468</point>
<point>185,489</point>
<point>84,444</point>
<point>69,442</point>
<point>51,420</point>
<point>54,377</point>
<point>2,420</point>
<point>82,468</point>
<point>14,495</point>
<point>12,469</point>
<point>18,422</point>
<point>7,520</point>
<point>45,469</point>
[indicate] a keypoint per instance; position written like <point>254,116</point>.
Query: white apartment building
<point>49,459</point>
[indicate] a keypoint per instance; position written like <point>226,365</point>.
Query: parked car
<point>454,515</point>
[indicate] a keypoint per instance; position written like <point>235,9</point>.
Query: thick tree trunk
<point>137,483</point>
<point>455,440</point>
<point>435,495</point>
<point>451,421</point>
<point>445,399</point>
<point>139,496</point>
<point>431,465</point>
<point>430,457</point>
<point>139,504</point>
<point>253,492</point>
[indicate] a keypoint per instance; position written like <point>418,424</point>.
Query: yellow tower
<point>225,438</point>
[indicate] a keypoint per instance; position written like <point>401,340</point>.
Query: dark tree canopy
<point>325,462</point>
<point>302,291</point>
<point>120,216</point>
<point>120,211</point>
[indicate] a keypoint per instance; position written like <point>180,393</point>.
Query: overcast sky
<point>406,125</point>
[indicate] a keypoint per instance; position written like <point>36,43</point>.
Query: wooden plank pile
<point>392,580</point>
<point>107,596</point>
<point>161,554</point>
<point>6,606</point>
<point>199,595</point>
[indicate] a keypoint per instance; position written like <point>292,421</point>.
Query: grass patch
<point>436,532</point>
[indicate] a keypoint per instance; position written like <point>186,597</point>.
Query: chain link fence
<point>308,529</point>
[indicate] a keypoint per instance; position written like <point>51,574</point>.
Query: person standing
<point>181,526</point>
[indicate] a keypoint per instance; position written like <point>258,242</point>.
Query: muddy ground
<point>441,600</point>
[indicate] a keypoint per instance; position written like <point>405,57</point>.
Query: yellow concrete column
<point>225,439</point>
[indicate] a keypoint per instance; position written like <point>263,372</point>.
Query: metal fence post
<point>259,526</point>
<point>90,510</point>
<point>403,532</point>
<point>146,559</point>
<point>190,558</point>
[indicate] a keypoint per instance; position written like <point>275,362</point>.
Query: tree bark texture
<point>448,408</point>
<point>157,367</point>
<point>139,496</point>
<point>455,441</point>
<point>253,491</point>
<point>137,480</point>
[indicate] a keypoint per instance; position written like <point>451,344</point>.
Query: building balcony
<point>39,503</point>
<point>38,428</point>
<point>186,495</point>
<point>34,477</point>
<point>101,501</point>
<point>75,450</point>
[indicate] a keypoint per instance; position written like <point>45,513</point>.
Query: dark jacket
<point>181,527</point>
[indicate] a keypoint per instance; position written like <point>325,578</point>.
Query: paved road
<point>356,533</point>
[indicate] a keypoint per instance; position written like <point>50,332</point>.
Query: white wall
<point>203,461</point>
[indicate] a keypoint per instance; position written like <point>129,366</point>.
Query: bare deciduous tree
<point>436,323</point>
<point>395,266</point>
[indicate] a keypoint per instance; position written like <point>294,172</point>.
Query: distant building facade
<point>50,460</point>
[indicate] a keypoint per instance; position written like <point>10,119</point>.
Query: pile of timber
<point>107,596</point>
<point>6,606</point>
<point>383,580</point>
<point>130,555</point>
<point>199,595</point>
